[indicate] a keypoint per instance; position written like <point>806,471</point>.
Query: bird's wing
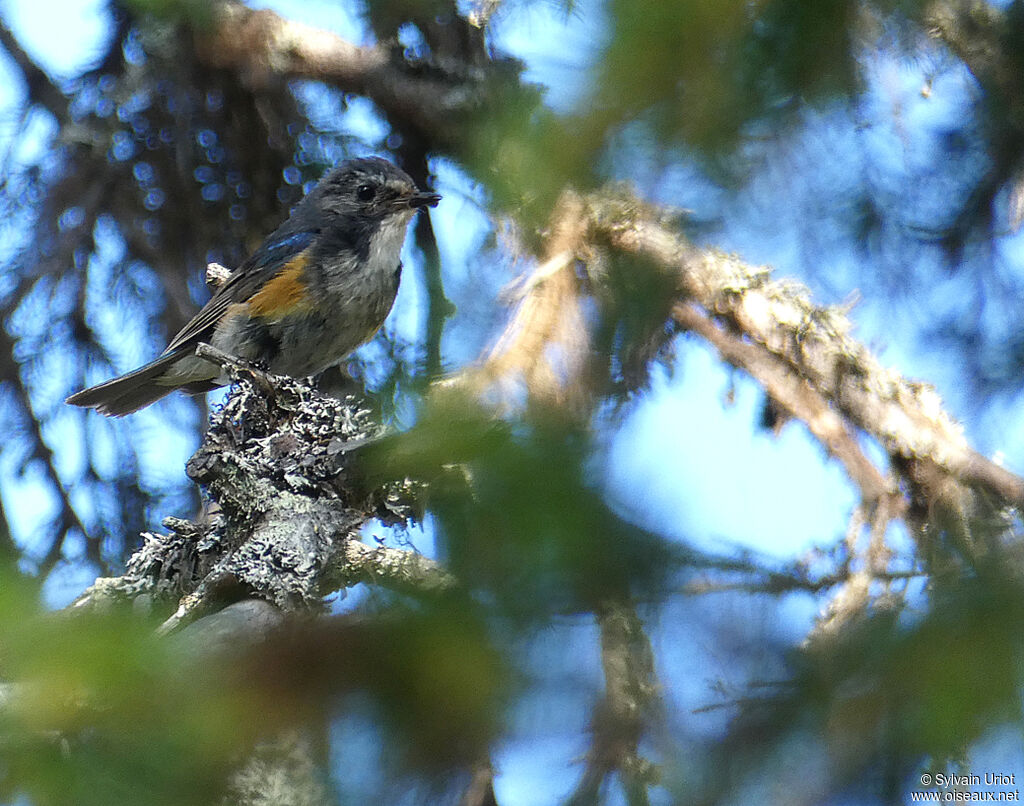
<point>275,255</point>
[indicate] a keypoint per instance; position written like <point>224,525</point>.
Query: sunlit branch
<point>790,391</point>
<point>261,44</point>
<point>779,318</point>
<point>402,570</point>
<point>38,85</point>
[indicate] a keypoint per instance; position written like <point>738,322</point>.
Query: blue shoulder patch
<point>280,251</point>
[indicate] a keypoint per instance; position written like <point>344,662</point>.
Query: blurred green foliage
<point>103,711</point>
<point>892,693</point>
<point>698,79</point>
<point>519,515</point>
<point>100,710</point>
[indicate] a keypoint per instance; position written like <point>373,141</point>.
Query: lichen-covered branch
<point>290,507</point>
<point>790,391</point>
<point>401,570</point>
<point>801,354</point>
<point>906,417</point>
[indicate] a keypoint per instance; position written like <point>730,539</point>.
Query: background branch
<point>39,87</point>
<point>430,102</point>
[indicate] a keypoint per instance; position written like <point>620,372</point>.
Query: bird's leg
<point>235,367</point>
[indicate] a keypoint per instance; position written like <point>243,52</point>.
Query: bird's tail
<point>131,392</point>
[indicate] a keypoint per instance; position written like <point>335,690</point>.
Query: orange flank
<point>284,293</point>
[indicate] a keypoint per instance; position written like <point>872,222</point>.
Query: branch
<point>421,98</point>
<point>630,696</point>
<point>278,461</point>
<point>439,307</point>
<point>38,85</point>
<point>401,570</point>
<point>67,518</point>
<point>780,320</point>
<point>787,389</point>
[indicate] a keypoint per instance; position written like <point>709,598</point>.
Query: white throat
<point>386,243</point>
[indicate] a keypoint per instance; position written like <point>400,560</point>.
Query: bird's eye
<point>365,193</point>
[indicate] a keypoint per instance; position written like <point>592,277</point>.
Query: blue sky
<point>683,461</point>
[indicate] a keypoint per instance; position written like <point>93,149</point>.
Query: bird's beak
<point>422,199</point>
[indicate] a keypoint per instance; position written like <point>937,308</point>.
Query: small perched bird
<point>318,287</point>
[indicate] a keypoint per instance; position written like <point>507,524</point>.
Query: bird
<point>316,288</point>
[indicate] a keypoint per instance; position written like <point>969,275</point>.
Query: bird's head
<point>371,189</point>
